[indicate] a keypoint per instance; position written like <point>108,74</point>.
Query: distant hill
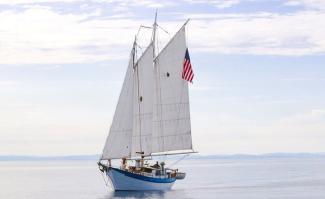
<point>95,157</point>
<point>46,158</point>
<point>259,156</point>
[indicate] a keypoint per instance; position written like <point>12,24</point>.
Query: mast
<point>141,152</point>
<point>156,69</point>
<point>154,35</point>
<point>134,51</point>
<point>135,66</point>
<point>142,117</point>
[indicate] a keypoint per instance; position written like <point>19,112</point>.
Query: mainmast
<point>154,29</point>
<point>135,67</point>
<point>134,49</point>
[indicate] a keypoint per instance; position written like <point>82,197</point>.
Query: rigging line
<point>183,26</point>
<point>163,29</point>
<point>177,161</point>
<point>141,27</point>
<point>106,181</point>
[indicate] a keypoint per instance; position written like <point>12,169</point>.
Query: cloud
<point>221,4</point>
<point>16,2</point>
<point>311,4</point>
<point>297,34</point>
<point>40,34</point>
<point>152,3</point>
<point>119,3</point>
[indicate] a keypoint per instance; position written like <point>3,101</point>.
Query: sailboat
<point>152,117</point>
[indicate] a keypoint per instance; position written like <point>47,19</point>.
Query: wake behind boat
<point>152,117</point>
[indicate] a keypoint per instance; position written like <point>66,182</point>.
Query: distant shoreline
<point>95,157</point>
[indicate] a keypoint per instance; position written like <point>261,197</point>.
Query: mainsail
<point>171,113</point>
<point>153,113</point>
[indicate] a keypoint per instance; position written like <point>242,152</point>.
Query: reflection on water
<point>147,194</point>
<point>136,194</point>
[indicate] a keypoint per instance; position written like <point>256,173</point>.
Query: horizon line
<point>194,156</point>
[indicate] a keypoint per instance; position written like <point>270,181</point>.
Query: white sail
<point>153,113</point>
<point>143,103</point>
<point>171,111</point>
<point>118,143</point>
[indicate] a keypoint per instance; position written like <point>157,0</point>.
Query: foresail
<point>143,103</point>
<point>118,143</point>
<point>171,111</point>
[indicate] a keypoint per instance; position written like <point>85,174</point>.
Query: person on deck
<point>123,163</point>
<point>156,165</point>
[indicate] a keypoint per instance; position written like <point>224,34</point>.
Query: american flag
<point>187,73</point>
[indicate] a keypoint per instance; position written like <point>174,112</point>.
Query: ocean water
<point>266,178</point>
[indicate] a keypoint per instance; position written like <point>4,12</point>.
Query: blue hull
<point>123,180</point>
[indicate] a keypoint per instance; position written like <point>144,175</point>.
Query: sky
<point>259,65</point>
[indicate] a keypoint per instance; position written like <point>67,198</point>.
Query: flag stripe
<point>187,65</point>
<point>192,76</point>
<point>187,73</point>
<point>187,69</point>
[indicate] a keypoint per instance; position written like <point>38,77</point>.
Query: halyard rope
<point>177,161</point>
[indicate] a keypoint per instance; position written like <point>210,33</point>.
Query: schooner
<point>152,117</point>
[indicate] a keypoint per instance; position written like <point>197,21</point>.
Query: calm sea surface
<point>284,178</point>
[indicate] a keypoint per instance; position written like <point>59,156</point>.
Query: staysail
<point>143,103</point>
<point>171,110</point>
<point>118,143</point>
